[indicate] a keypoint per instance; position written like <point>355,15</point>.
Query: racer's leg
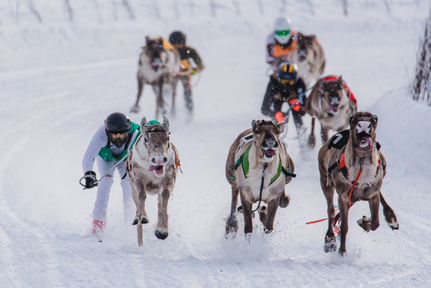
<point>103,190</point>
<point>129,205</point>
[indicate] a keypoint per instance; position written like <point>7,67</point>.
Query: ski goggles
<point>282,33</point>
<point>118,136</point>
<point>287,81</point>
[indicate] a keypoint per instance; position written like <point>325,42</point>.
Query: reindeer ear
<point>254,127</point>
<point>321,81</point>
<point>147,39</point>
<point>313,38</point>
<point>166,123</point>
<point>143,124</point>
<point>376,119</point>
<point>351,119</point>
<point>281,126</point>
<point>300,35</point>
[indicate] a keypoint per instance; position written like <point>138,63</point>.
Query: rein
<point>107,172</point>
<point>187,73</point>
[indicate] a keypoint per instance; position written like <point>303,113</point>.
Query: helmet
<point>282,30</point>
<point>117,126</point>
<point>177,38</point>
<point>287,73</point>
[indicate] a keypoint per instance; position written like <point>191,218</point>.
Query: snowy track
<point>58,93</point>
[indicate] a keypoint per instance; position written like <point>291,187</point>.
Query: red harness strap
<point>348,91</point>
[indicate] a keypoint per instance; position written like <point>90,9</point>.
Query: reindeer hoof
<point>330,244</point>
<point>267,231</point>
<point>394,226</point>
<point>365,223</point>
<point>135,109</point>
<point>161,235</point>
<point>144,220</point>
<point>284,200</point>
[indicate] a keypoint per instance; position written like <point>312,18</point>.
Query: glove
<point>280,116</point>
<point>90,179</point>
<point>194,71</point>
<point>294,103</point>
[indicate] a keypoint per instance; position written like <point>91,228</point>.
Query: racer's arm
<point>196,58</point>
<point>99,140</point>
<point>270,42</point>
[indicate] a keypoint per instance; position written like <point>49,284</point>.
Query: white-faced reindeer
<point>352,164</point>
<point>266,169</point>
<point>153,166</point>
<point>156,68</point>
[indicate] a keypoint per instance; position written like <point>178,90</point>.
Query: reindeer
<point>153,166</point>
<point>266,169</point>
<point>332,103</point>
<point>157,63</point>
<point>352,164</point>
<point>309,57</point>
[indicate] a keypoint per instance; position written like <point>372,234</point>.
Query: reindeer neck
<point>353,156</point>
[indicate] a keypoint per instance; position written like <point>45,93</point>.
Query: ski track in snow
<point>56,94</point>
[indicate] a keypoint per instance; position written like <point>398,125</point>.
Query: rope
<point>350,193</point>
<point>107,172</point>
<point>187,73</point>
<point>261,186</point>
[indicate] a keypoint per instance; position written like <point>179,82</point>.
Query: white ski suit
<point>99,141</point>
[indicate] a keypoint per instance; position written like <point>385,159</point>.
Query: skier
<point>178,40</point>
<point>110,144</point>
<point>286,86</point>
<point>280,42</point>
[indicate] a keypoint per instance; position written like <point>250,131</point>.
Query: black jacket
<point>276,94</point>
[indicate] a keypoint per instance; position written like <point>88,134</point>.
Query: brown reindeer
<point>157,63</point>
<point>153,166</point>
<point>309,57</point>
<point>332,103</point>
<point>266,169</point>
<point>352,164</point>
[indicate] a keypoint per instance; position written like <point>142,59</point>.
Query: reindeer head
<point>156,138</point>
<point>363,130</point>
<point>332,95</point>
<point>265,138</point>
<point>305,47</point>
<point>155,51</point>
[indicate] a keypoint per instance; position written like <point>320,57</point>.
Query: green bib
<point>105,152</point>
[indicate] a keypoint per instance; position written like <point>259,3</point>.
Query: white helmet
<point>282,30</point>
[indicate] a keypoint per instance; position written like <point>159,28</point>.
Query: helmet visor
<point>282,33</point>
<point>287,81</point>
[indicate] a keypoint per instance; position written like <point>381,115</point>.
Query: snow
<point>59,81</point>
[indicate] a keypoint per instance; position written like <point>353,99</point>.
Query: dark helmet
<point>177,37</point>
<point>117,127</point>
<point>287,73</point>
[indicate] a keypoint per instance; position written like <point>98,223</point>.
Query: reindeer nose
<point>159,160</point>
<point>363,126</point>
<point>270,144</point>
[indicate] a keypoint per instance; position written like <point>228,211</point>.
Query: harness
<point>348,91</point>
<point>339,142</point>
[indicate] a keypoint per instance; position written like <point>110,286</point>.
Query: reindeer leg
<point>330,239</point>
<point>372,223</point>
<point>312,137</point>
<point>246,210</point>
<point>174,94</point>
<point>160,101</point>
<point>324,133</point>
<point>139,198</point>
<point>232,223</point>
<point>162,222</point>
<point>135,108</point>
<point>343,204</point>
<point>272,210</point>
<point>390,216</point>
